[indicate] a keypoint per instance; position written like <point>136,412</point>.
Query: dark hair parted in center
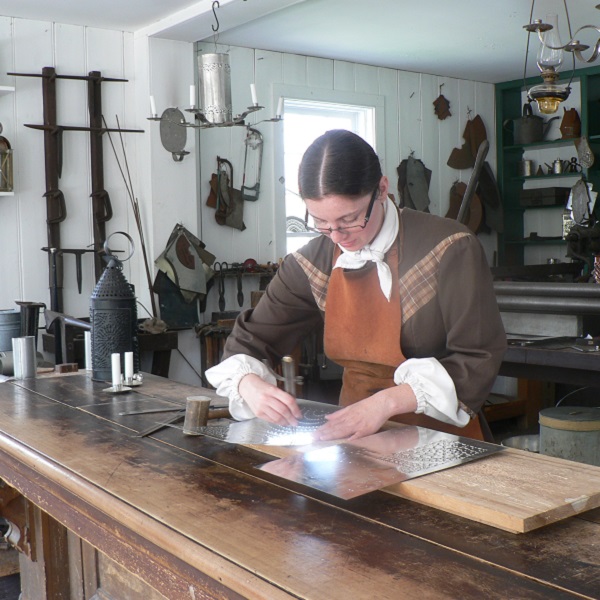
<point>338,163</point>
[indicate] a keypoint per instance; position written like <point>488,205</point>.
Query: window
<point>304,121</point>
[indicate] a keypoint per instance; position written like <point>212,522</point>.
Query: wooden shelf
<point>6,89</point>
<point>545,176</point>
<point>7,193</point>
<point>509,104</point>
<point>539,145</point>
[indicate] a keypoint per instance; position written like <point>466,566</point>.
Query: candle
<point>87,338</point>
<point>253,92</point>
<point>152,106</point>
<point>279,107</point>
<point>128,367</point>
<point>192,96</point>
<point>116,369</point>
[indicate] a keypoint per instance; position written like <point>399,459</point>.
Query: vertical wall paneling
<point>71,108</point>
<point>344,76</point>
<point>33,49</point>
<point>319,72</point>
<point>11,271</point>
<point>388,88</point>
<point>170,192</point>
<point>430,135</point>
<point>294,69</point>
<point>269,70</point>
<point>367,79</point>
<point>451,130</point>
<point>409,108</point>
<point>173,183</point>
<point>245,71</point>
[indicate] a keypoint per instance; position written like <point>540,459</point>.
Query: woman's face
<point>340,211</point>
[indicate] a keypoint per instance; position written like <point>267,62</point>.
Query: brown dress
<point>447,310</point>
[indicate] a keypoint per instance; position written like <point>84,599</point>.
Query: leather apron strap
<point>362,334</point>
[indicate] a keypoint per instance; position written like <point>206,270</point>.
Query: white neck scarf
<point>376,250</point>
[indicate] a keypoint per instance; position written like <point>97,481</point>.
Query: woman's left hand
<point>367,416</point>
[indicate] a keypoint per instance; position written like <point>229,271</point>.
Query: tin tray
<point>350,469</point>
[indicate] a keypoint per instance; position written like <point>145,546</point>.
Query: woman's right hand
<point>268,402</point>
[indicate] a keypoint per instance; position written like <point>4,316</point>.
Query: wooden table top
<point>203,501</point>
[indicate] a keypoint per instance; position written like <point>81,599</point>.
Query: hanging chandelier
<point>573,45</point>
<point>550,56</point>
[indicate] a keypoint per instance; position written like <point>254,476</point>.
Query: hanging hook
<point>217,5</point>
<point>469,112</point>
<point>441,86</point>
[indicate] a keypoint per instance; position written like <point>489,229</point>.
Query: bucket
<point>571,432</point>
<point>10,327</point>
<point>531,442</point>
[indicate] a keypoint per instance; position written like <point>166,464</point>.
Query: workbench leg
<point>46,578</point>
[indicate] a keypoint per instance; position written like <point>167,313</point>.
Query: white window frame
<point>302,93</point>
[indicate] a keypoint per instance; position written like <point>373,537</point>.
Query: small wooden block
<point>66,368</point>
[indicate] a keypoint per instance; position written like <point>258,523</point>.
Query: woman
<point>407,300</point>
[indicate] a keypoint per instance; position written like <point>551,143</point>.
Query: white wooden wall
<point>410,126</point>
<point>27,47</point>
<point>165,190</point>
<point>171,192</point>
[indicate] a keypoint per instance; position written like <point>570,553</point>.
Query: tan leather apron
<point>362,334</point>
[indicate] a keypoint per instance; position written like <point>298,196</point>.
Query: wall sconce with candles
<point>214,74</point>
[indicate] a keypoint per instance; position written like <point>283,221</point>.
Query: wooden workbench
<point>106,512</point>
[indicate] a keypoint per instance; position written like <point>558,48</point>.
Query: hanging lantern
<point>113,315</point>
<point>214,74</point>
<point>6,164</point>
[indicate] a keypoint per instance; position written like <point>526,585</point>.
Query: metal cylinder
<point>214,74</point>
<point>10,327</point>
<point>113,316</point>
<point>24,357</point>
<point>196,414</point>
<point>289,375</point>
<point>525,168</point>
<point>538,288</point>
<point>571,432</point>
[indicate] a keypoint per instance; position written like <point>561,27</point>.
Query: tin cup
<point>196,414</point>
<point>525,168</point>
<point>24,357</point>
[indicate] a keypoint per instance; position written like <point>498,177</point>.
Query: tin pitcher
<point>529,128</point>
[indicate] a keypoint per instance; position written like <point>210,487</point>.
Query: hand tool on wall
<point>78,253</point>
<point>240,290</point>
<point>254,140</point>
<point>53,140</point>
<point>101,206</point>
<point>219,268</point>
<point>473,180</point>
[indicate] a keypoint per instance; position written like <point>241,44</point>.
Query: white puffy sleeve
<point>434,389</point>
<point>226,377</point>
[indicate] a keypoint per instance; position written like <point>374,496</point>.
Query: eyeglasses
<point>349,228</point>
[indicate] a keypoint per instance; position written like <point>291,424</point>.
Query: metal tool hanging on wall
<point>53,141</point>
<point>254,141</point>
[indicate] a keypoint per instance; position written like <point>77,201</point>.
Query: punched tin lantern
<point>214,74</point>
<point>113,315</point>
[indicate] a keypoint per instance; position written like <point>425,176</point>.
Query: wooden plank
<point>514,490</point>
